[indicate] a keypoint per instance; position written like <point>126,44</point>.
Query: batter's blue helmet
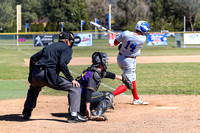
<point>142,26</point>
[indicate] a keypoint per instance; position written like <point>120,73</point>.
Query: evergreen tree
<point>7,16</point>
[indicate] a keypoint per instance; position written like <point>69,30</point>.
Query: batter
<point>130,47</point>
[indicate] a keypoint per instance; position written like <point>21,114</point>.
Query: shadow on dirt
<point>60,114</point>
<point>19,117</point>
<point>12,117</point>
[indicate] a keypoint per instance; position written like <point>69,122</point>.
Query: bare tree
<point>126,11</point>
<point>98,9</point>
<point>190,9</point>
<point>138,9</point>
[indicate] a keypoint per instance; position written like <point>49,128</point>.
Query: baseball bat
<point>101,27</point>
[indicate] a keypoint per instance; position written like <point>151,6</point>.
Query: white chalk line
<point>164,107</point>
<point>18,49</point>
<point>107,86</point>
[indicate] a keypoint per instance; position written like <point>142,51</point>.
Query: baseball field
<point>168,78</point>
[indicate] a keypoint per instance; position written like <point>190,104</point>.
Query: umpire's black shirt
<point>54,58</point>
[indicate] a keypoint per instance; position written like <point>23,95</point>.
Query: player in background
<point>131,44</point>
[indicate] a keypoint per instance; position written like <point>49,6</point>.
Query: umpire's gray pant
<point>39,80</point>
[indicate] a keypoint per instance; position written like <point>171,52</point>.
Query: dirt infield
<point>164,114</point>
<point>140,59</point>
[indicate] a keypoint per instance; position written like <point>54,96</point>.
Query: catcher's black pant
<point>96,98</point>
<point>39,80</point>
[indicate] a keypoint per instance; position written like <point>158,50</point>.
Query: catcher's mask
<point>100,58</point>
<point>67,35</point>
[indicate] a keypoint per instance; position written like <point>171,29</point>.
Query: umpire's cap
<point>66,35</point>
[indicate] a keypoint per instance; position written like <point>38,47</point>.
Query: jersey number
<point>132,46</point>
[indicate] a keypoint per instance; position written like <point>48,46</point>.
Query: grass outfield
<point>164,78</point>
<point>160,78</point>
<point>12,89</point>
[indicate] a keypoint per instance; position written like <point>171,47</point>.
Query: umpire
<point>45,67</point>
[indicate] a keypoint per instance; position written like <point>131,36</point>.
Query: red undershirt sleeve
<point>116,42</point>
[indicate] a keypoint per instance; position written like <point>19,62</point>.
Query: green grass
<point>12,65</point>
<point>12,89</point>
<point>169,78</point>
<point>159,78</point>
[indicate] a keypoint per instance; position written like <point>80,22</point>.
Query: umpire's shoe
<point>27,113</point>
<point>76,119</point>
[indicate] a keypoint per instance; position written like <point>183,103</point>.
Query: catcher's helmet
<point>142,26</point>
<point>100,58</point>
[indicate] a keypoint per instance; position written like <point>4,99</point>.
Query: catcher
<point>93,103</point>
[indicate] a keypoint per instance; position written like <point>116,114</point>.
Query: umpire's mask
<point>71,39</point>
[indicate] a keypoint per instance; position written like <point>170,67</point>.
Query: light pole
<point>184,23</point>
<point>18,21</point>
<point>62,26</point>
<point>110,17</point>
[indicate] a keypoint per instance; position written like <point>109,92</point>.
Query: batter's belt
<point>128,56</point>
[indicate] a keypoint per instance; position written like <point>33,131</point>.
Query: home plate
<point>166,107</point>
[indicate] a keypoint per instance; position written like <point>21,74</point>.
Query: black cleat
<point>76,119</point>
<point>27,113</point>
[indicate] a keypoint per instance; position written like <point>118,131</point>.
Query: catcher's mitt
<point>98,118</point>
<point>127,82</point>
